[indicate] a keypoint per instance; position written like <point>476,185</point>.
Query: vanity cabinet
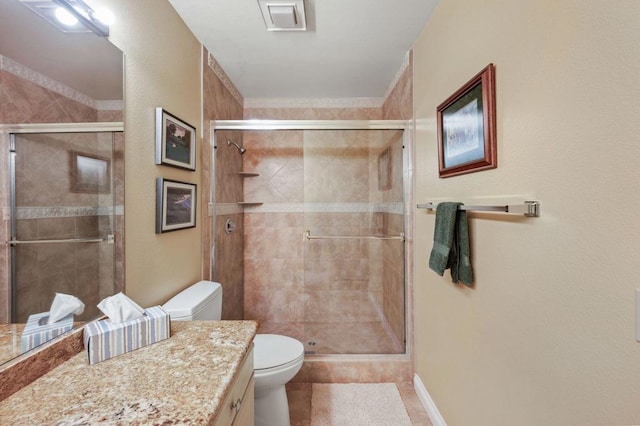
<point>237,409</point>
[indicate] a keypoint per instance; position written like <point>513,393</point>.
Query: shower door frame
<point>408,128</point>
<point>10,130</point>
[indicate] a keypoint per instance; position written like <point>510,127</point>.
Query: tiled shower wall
<point>222,101</point>
<point>23,101</point>
<point>330,294</point>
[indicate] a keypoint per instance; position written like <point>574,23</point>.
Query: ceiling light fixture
<point>65,18</point>
<point>283,15</point>
<point>86,18</point>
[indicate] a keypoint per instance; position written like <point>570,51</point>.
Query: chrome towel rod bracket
<point>528,208</point>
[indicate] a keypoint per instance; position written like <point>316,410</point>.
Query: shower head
<point>240,149</point>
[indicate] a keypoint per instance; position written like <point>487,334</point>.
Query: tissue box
<point>104,340</point>
<point>37,331</point>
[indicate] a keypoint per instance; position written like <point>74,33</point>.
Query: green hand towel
<point>443,237</point>
<point>461,270</point>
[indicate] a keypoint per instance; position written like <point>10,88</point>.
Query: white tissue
<point>119,308</point>
<point>63,305</point>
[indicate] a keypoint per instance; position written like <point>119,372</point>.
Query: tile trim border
<point>65,211</point>
<point>398,76</point>
<point>232,208</point>
<point>224,78</point>
<point>26,73</point>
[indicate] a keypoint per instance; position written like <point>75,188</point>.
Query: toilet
<point>276,358</point>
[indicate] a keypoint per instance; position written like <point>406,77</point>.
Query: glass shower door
<point>354,285</point>
<point>62,220</point>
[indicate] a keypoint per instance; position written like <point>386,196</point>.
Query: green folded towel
<point>443,236</point>
<point>461,262</point>
<point>451,248</point>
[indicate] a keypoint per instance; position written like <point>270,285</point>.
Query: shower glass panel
<point>62,220</point>
<point>323,225</point>
<point>354,292</point>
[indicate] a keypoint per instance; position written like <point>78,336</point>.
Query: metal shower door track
<point>97,127</point>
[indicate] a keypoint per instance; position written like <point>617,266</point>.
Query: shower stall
<point>65,221</point>
<point>322,217</point>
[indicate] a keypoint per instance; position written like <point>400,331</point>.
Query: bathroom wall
<point>152,36</point>
<point>547,334</point>
<point>28,97</point>
<point>223,101</point>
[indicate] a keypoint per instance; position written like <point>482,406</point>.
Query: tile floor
<point>299,395</point>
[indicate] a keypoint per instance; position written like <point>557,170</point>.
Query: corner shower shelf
<point>248,174</point>
<point>250,203</point>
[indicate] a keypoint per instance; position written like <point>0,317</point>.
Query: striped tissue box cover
<point>35,334</point>
<point>104,340</point>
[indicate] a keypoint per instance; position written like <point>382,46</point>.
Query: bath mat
<point>354,404</point>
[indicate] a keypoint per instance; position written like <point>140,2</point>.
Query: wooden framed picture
<point>175,205</point>
<point>175,141</point>
<point>90,173</point>
<point>467,127</point>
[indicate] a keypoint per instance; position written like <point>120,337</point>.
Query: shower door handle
<point>308,236</point>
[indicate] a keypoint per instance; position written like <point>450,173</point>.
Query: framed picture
<point>175,205</point>
<point>467,127</point>
<point>175,141</point>
<point>90,173</point>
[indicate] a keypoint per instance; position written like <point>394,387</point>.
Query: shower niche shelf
<point>248,174</point>
<point>250,203</point>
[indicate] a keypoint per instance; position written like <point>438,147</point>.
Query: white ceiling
<point>352,48</point>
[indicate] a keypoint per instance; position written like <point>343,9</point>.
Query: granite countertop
<point>180,380</point>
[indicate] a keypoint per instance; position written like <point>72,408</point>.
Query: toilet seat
<point>273,350</point>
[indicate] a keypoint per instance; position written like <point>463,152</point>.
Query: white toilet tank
<point>201,301</point>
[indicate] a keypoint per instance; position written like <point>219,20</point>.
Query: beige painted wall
<point>547,335</point>
<point>162,68</point>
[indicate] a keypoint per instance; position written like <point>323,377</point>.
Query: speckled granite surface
<point>181,380</point>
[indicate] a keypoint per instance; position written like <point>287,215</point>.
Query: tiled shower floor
<point>371,337</point>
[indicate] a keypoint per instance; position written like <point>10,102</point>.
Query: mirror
<point>48,76</point>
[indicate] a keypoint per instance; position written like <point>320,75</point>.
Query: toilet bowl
<point>276,360</point>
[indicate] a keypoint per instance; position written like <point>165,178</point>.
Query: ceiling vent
<point>283,15</point>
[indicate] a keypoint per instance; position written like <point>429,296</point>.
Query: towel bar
<point>528,208</point>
